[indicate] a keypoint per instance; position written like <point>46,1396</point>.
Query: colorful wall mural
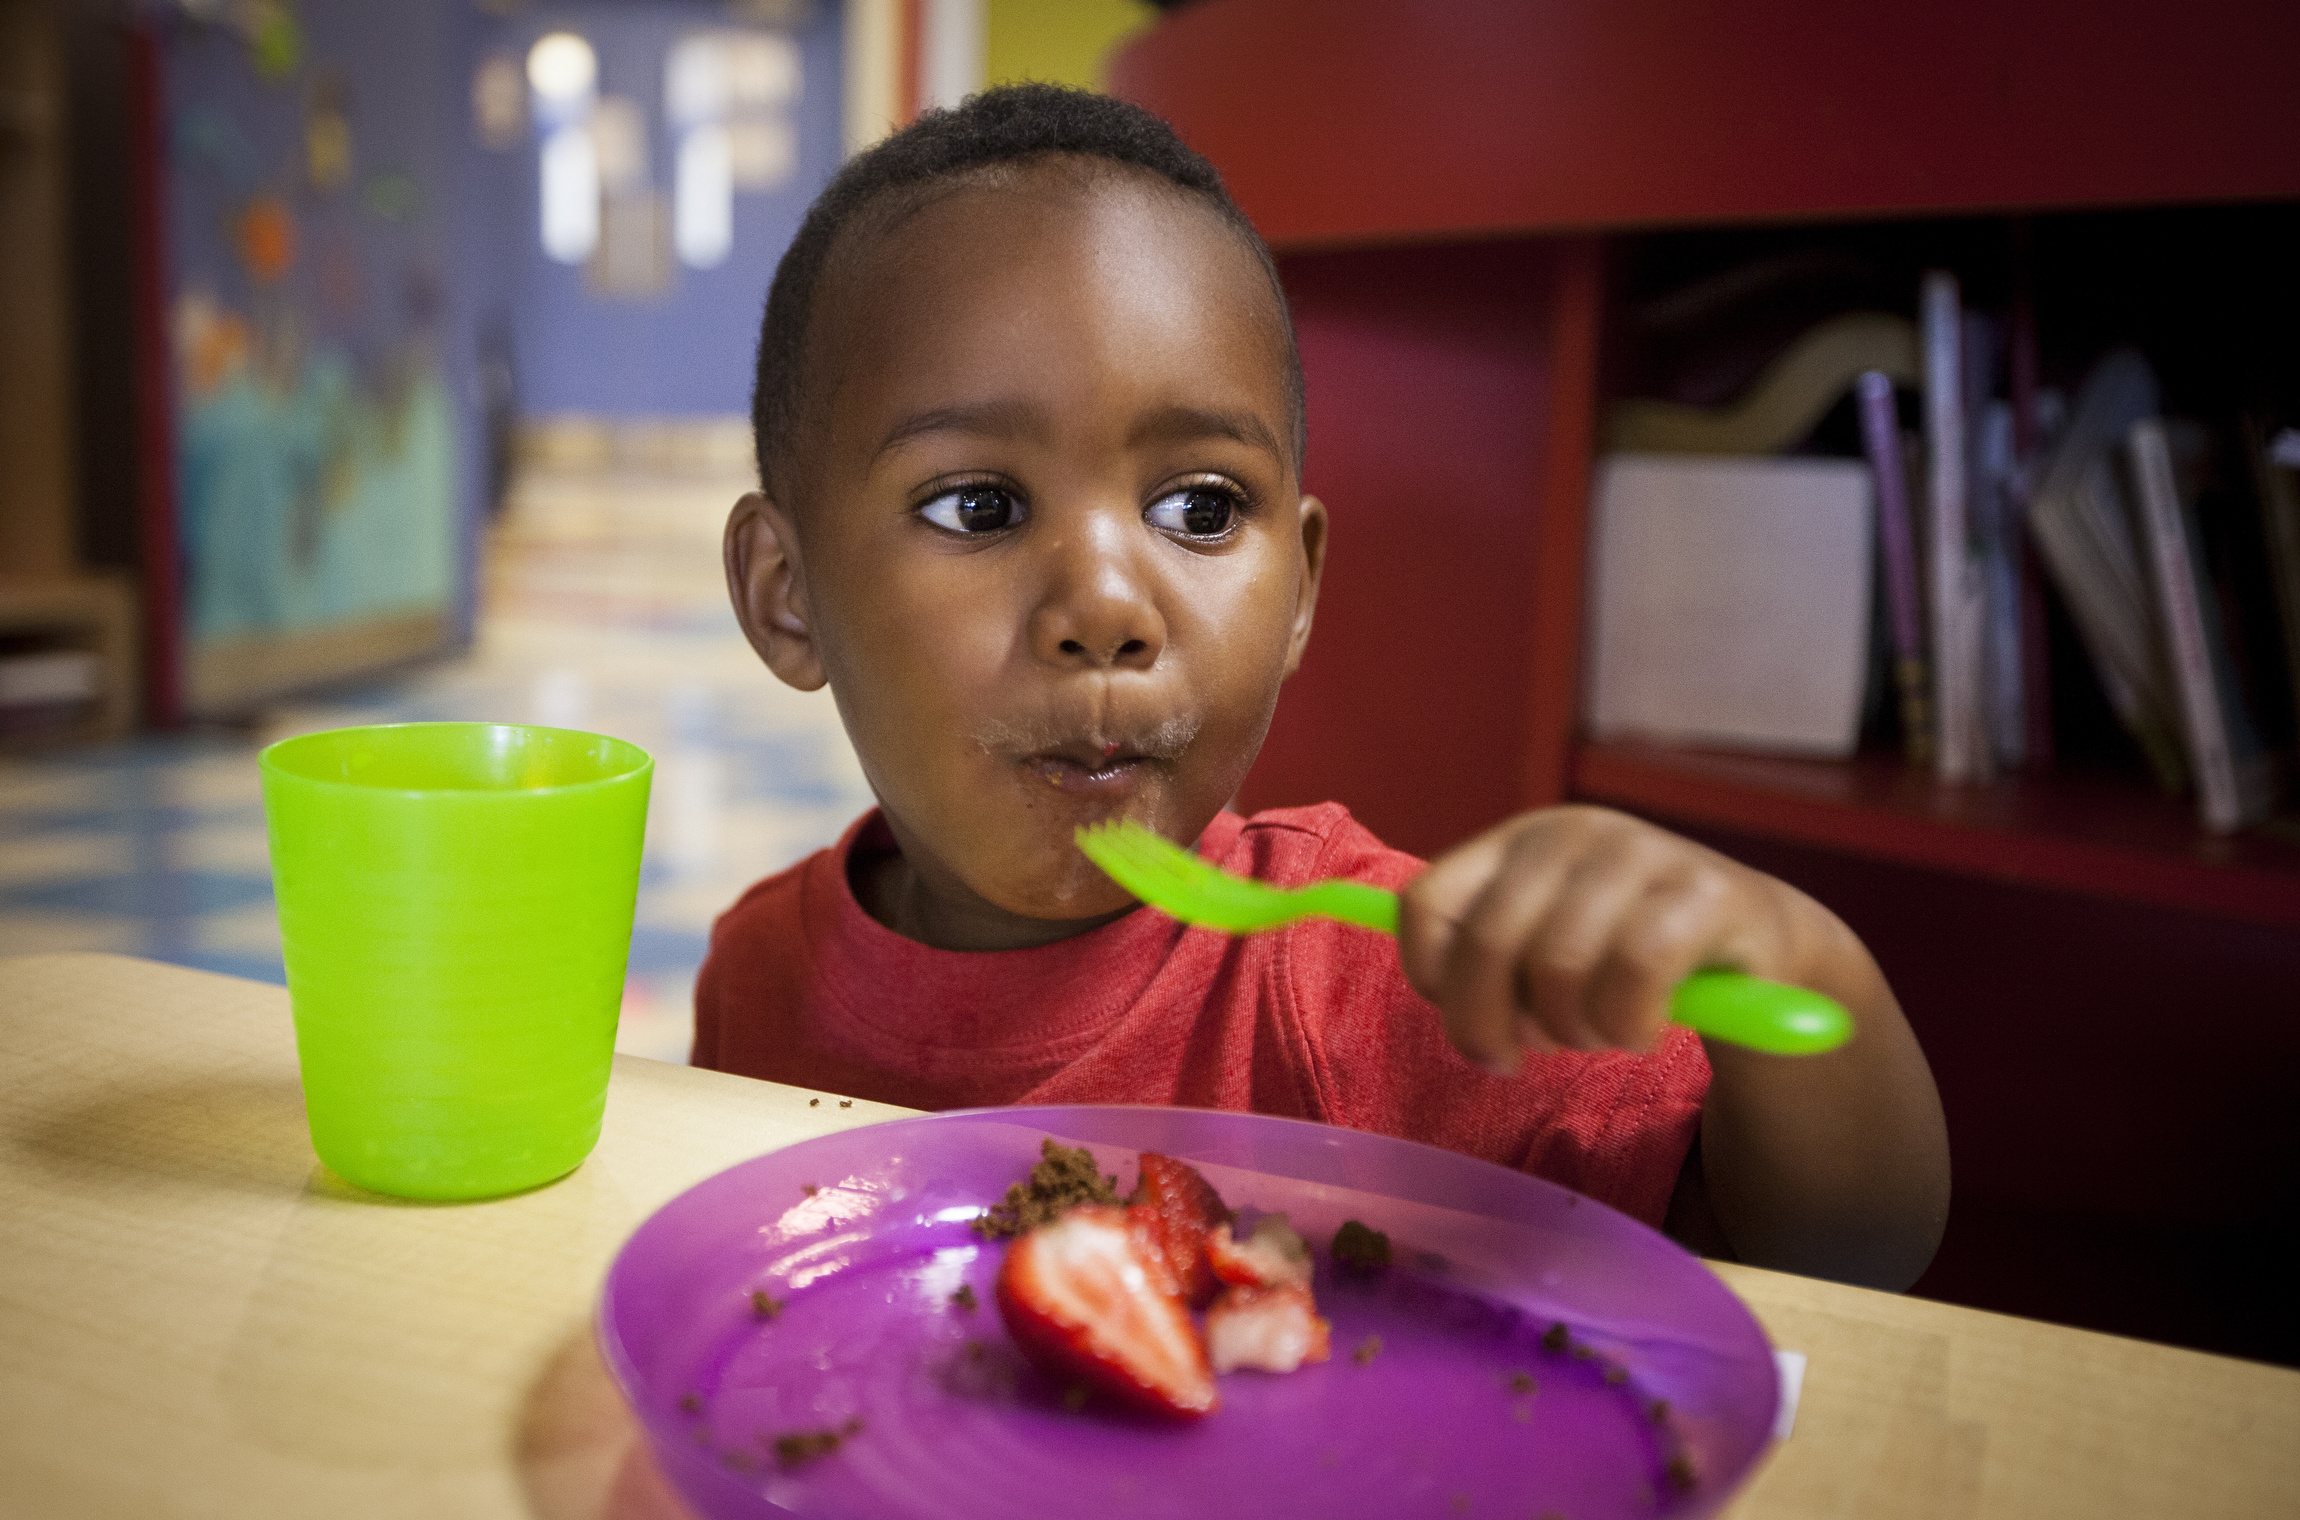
<point>323,444</point>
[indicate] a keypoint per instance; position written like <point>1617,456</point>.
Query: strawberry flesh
<point>1184,1207</point>
<point>1092,1299</point>
<point>1273,1256</point>
<point>1269,1329</point>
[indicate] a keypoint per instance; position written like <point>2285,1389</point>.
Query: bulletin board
<point>305,156</point>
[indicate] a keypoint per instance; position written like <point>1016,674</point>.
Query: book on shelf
<point>1961,749</point>
<point>2081,522</point>
<point>2235,777</point>
<point>1897,543</point>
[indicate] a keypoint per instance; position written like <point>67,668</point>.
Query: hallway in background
<point>603,608</point>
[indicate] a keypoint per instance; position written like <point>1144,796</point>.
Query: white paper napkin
<point>1792,1368</point>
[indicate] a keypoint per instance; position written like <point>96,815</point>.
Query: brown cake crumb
<point>1359,1250</point>
<point>1659,1413</point>
<point>809,1189</point>
<point>846,1102</point>
<point>814,1102</point>
<point>763,1306</point>
<point>965,1298</point>
<point>1368,1349</point>
<point>1523,1383</point>
<point>803,1446</point>
<point>690,1403</point>
<point>1556,1337</point>
<point>1680,1473</point>
<point>1064,1178</point>
<point>1615,1377</point>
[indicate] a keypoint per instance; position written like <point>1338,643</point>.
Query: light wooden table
<point>196,1319</point>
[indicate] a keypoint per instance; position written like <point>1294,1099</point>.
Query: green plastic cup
<point>455,907</point>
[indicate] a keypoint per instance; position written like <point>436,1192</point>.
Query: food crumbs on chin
<point>809,1189</point>
<point>803,1446</point>
<point>763,1307</point>
<point>1368,1349</point>
<point>1582,1353</point>
<point>1615,1377</point>
<point>1064,1178</point>
<point>1074,1398</point>
<point>1556,1337</point>
<point>1522,1382</point>
<point>1680,1473</point>
<point>1659,1413</point>
<point>690,1403</point>
<point>965,1298</point>
<point>1359,1250</point>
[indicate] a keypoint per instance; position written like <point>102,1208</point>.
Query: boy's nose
<point>1097,609</point>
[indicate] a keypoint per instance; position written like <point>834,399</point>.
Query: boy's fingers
<point>1478,987</point>
<point>1672,930</point>
<point>1432,906</point>
<point>1560,958</point>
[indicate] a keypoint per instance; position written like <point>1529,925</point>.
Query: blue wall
<point>689,351</point>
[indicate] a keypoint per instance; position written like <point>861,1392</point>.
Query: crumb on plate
<point>1065,1177</point>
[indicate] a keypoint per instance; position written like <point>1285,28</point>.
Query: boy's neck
<point>936,909</point>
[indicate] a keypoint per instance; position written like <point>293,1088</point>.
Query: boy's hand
<point>1569,928</point>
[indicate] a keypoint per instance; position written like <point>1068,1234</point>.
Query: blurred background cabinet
<point>1469,202</point>
<point>67,633</point>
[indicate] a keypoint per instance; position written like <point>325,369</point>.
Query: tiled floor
<point>604,610</point>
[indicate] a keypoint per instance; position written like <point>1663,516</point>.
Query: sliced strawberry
<point>1272,1257</point>
<point>1089,1299</point>
<point>1268,1329</point>
<point>1185,1206</point>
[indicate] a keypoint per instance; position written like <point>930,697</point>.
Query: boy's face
<point>1052,554</point>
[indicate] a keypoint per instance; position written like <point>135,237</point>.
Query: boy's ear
<point>763,579</point>
<point>1313,529</point>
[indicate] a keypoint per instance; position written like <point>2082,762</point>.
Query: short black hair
<point>1003,125</point>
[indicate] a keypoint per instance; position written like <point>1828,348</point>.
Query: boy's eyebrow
<point>983,419</point>
<point>1012,417</point>
<point>1181,424</point>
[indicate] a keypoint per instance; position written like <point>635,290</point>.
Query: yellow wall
<point>1056,41</point>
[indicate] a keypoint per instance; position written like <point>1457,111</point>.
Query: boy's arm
<point>1568,927</point>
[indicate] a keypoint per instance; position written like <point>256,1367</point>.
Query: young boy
<point>1030,432</point>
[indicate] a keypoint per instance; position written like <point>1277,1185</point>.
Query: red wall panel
<point>1351,120</point>
<point>1428,376</point>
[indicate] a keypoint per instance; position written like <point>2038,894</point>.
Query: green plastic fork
<point>1724,1005</point>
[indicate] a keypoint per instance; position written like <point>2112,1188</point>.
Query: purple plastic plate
<point>1660,1405</point>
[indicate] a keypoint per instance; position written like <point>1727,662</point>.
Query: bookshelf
<point>2093,833</point>
<point>1451,192</point>
<point>1464,200</point>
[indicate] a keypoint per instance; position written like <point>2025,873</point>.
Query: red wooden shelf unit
<point>1444,184</point>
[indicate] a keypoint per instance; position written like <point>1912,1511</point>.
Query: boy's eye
<point>1200,512</point>
<point>974,509</point>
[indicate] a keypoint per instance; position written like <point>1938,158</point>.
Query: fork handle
<point>1354,902</point>
<point>1732,1006</point>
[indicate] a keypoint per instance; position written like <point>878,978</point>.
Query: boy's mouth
<point>1085,771</point>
